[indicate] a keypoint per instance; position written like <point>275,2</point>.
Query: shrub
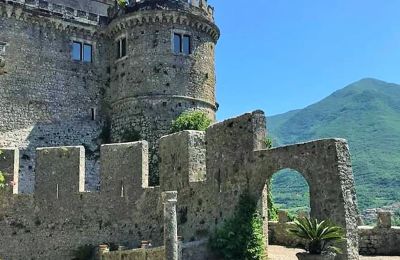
<point>272,208</point>
<point>2,180</point>
<point>122,3</point>
<point>321,236</point>
<point>194,120</point>
<point>242,236</point>
<point>268,142</point>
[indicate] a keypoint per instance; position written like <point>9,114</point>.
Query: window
<point>2,48</point>
<point>77,51</point>
<point>87,52</point>
<point>182,44</point>
<point>121,48</point>
<point>82,51</point>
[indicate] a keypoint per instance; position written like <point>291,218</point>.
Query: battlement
<point>197,7</point>
<point>96,16</point>
<point>209,170</point>
<point>124,167</point>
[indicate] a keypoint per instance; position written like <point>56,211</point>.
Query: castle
<point>90,72</point>
<point>88,91</point>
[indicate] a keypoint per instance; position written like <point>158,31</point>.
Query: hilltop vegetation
<point>367,114</point>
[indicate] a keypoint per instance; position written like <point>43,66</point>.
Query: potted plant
<point>321,238</point>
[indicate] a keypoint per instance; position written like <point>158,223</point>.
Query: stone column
<point>283,217</point>
<point>384,219</point>
<point>170,225</point>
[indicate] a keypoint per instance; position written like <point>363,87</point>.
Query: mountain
<point>367,114</point>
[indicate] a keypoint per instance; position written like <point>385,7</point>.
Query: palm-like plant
<point>321,236</point>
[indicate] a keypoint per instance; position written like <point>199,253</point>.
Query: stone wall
<point>46,98</point>
<point>61,215</point>
<point>197,250</point>
<point>383,239</point>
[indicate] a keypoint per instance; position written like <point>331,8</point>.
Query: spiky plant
<point>321,236</point>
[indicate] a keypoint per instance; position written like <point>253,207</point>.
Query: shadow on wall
<point>67,133</point>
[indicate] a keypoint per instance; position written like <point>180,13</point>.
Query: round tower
<point>162,64</point>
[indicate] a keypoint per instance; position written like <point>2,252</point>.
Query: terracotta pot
<point>307,256</point>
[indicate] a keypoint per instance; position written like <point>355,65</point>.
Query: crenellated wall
<point>46,98</point>
<point>209,170</point>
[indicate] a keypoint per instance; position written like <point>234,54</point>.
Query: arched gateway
<point>326,166</point>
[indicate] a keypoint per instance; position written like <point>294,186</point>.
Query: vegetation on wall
<point>2,180</point>
<point>122,3</point>
<point>241,237</point>
<point>272,208</point>
<point>194,120</point>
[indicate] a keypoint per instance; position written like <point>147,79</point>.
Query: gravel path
<point>284,253</point>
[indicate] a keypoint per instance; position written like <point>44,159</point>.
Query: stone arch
<point>326,166</point>
<point>298,177</point>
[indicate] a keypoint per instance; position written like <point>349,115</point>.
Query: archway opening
<point>290,192</point>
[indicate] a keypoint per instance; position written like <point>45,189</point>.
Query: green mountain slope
<point>367,114</point>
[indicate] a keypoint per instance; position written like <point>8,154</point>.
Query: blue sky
<point>280,55</point>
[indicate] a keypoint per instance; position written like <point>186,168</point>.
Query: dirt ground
<point>284,253</point>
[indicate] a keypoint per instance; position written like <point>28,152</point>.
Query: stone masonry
<point>61,215</point>
<point>49,99</point>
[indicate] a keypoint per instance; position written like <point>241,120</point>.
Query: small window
<point>87,52</point>
<point>186,44</point>
<point>77,51</point>
<point>2,48</point>
<point>182,44</point>
<point>93,114</point>
<point>82,51</point>
<point>121,48</point>
<point>177,43</point>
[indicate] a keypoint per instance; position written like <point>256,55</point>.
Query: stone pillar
<point>283,217</point>
<point>384,219</point>
<point>169,199</point>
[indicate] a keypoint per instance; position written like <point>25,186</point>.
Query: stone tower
<point>162,64</point>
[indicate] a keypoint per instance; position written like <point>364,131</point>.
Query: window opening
<point>77,51</point>
<point>121,48</point>
<point>87,52</point>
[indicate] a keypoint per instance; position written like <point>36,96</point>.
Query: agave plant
<point>321,236</point>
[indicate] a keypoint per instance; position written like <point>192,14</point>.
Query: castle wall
<point>61,215</point>
<point>45,97</point>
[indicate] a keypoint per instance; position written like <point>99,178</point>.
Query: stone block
<point>60,172</point>
<point>384,219</point>
<point>124,168</point>
<point>182,159</point>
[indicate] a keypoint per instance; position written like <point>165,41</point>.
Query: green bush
<point>194,120</point>
<point>320,236</point>
<point>241,237</point>
<point>272,208</point>
<point>268,142</point>
<point>122,3</point>
<point>2,180</point>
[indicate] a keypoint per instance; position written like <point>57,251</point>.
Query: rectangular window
<point>87,52</point>
<point>177,43</point>
<point>77,51</point>
<point>182,44</point>
<point>2,48</point>
<point>186,44</point>
<point>82,51</point>
<point>121,48</point>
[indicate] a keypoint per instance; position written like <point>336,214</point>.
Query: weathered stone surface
<point>51,227</point>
